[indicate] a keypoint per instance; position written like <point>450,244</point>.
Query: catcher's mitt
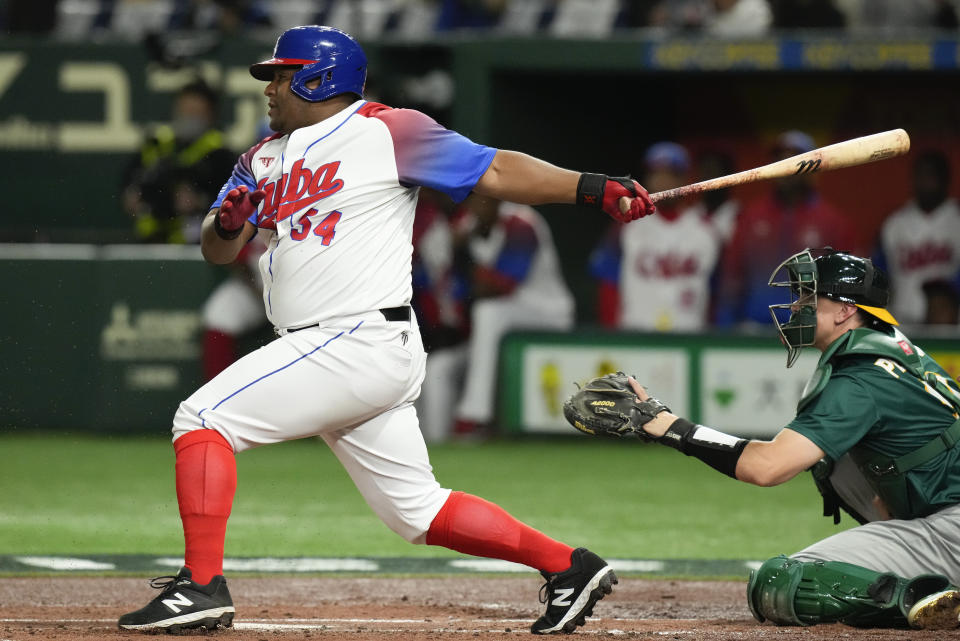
<point>608,406</point>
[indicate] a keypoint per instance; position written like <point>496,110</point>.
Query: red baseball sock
<point>471,525</point>
<point>219,351</point>
<point>206,481</point>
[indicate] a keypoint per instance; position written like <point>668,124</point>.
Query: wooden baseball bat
<point>858,151</point>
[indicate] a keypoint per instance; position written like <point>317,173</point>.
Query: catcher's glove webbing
<point>608,406</point>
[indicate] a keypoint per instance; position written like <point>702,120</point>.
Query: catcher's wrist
<point>222,232</point>
<point>718,450</point>
<point>590,190</point>
<point>659,424</point>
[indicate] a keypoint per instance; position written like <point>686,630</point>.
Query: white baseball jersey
<point>920,247</point>
<point>520,246</point>
<point>665,272</point>
<point>723,218</point>
<point>340,203</point>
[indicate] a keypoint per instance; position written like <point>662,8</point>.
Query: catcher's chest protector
<point>887,476</point>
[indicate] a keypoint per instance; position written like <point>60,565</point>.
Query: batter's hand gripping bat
<point>858,151</point>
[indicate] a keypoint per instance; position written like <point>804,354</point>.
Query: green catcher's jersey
<point>876,402</point>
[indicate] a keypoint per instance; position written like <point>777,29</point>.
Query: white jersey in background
<point>919,247</point>
<point>665,272</point>
<point>520,231</point>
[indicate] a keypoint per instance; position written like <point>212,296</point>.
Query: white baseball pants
<point>352,382</point>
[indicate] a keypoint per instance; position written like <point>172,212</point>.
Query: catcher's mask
<point>825,272</point>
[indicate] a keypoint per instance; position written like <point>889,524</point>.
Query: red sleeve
<point>493,282</point>
<point>608,304</point>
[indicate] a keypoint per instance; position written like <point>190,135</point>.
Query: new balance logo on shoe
<point>183,605</point>
<point>180,600</point>
<point>562,597</point>
<point>570,595</point>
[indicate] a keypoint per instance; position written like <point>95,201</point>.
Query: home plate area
<point>414,608</point>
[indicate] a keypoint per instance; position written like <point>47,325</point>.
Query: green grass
<point>70,494</point>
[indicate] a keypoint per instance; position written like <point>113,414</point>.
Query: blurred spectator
<point>584,18</point>
<point>524,17</point>
<point>469,14</point>
<point>168,187</point>
<point>655,275</point>
<point>943,303</point>
<point>231,16</point>
<point>185,27</point>
<point>516,283</point>
<point>738,18</point>
<point>806,14</point>
<point>897,15</point>
<point>789,219</point>
<point>720,18</point>
<point>672,15</point>
<point>920,242</point>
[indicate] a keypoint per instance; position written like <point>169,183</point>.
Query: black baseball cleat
<point>570,595</point>
<point>183,605</point>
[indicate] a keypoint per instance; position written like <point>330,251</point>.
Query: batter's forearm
<point>216,249</point>
<point>519,178</point>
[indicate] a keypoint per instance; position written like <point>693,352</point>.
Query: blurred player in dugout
<point>920,246</point>
<point>790,217</point>
<point>503,273</point>
<point>658,278</point>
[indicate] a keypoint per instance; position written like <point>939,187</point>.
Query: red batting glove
<point>607,193</point>
<point>637,205</point>
<point>236,208</point>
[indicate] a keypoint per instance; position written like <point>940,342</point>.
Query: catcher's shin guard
<point>790,592</point>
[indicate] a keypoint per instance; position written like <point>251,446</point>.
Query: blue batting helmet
<point>667,155</point>
<point>322,53</point>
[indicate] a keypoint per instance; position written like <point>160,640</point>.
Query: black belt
<point>391,314</point>
<point>394,314</point>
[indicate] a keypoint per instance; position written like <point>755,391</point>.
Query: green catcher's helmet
<point>825,272</point>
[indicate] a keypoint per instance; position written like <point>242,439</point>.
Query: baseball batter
<point>877,425</point>
<point>335,190</point>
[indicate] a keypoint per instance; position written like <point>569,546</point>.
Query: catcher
<point>877,426</point>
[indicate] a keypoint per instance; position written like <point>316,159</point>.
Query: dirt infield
<point>416,609</point>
